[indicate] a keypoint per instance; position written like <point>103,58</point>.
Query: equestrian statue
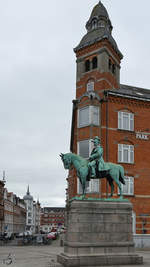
<point>95,167</point>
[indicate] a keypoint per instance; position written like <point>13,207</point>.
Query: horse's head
<point>66,159</point>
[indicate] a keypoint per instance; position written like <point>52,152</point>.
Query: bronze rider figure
<point>96,158</point>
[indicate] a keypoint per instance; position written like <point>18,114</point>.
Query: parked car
<point>52,236</point>
<point>27,233</point>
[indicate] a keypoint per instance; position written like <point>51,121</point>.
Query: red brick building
<point>52,217</point>
<point>118,114</point>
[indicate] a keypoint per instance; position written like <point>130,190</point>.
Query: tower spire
<point>28,192</point>
<point>99,27</point>
<point>4,180</point>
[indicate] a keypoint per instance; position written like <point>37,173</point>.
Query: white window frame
<point>92,186</point>
<point>133,222</point>
<point>129,185</point>
<point>91,120</point>
<point>122,149</point>
<point>90,146</point>
<point>122,116</point>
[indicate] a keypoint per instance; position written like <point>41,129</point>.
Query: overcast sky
<point>37,83</point>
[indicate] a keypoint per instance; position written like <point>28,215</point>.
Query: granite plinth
<point>99,234</point>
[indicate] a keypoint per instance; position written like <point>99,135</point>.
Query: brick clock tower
<point>103,107</point>
<point>98,69</point>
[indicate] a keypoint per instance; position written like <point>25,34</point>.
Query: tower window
<point>87,65</point>
<point>94,24</point>
<point>84,148</point>
<point>94,63</point>
<point>88,115</point>
<point>109,64</point>
<point>113,69</point>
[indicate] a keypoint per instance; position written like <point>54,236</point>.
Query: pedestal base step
<point>99,260</point>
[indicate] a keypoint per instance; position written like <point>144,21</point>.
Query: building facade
<point>1,205</point>
<point>37,215</point>
<point>14,214</point>
<point>19,215</point>
<point>8,212</point>
<point>118,114</point>
<point>33,213</point>
<point>52,217</point>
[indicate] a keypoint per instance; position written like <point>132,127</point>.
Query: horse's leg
<point>111,185</point>
<point>115,177</point>
<point>119,184</point>
<point>120,190</point>
<point>83,189</point>
<point>83,178</point>
<point>83,183</point>
<point>112,189</point>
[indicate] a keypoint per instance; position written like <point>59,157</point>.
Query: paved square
<point>45,256</point>
<point>30,256</point>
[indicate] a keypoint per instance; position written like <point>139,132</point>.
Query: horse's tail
<point>121,174</point>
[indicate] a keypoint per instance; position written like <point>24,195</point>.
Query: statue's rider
<point>96,158</point>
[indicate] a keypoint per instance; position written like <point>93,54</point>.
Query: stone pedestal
<point>99,233</point>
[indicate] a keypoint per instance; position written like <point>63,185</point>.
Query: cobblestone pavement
<point>43,256</point>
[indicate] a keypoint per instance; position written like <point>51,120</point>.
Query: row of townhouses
<point>19,215</point>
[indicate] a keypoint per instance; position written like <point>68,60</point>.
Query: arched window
<point>94,63</point>
<point>87,65</point>
<point>109,64</point>
<point>113,69</point>
<point>94,24</point>
<point>90,86</point>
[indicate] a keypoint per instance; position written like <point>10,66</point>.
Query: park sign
<point>142,136</point>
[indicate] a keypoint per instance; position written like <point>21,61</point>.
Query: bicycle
<point>9,260</point>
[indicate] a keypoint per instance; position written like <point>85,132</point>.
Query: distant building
<point>29,215</point>
<point>14,213</point>
<point>1,205</point>
<point>52,217</point>
<point>8,212</point>
<point>19,219</point>
<point>36,215</point>
<point>33,213</point>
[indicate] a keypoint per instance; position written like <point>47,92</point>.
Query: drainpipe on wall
<point>107,144</point>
